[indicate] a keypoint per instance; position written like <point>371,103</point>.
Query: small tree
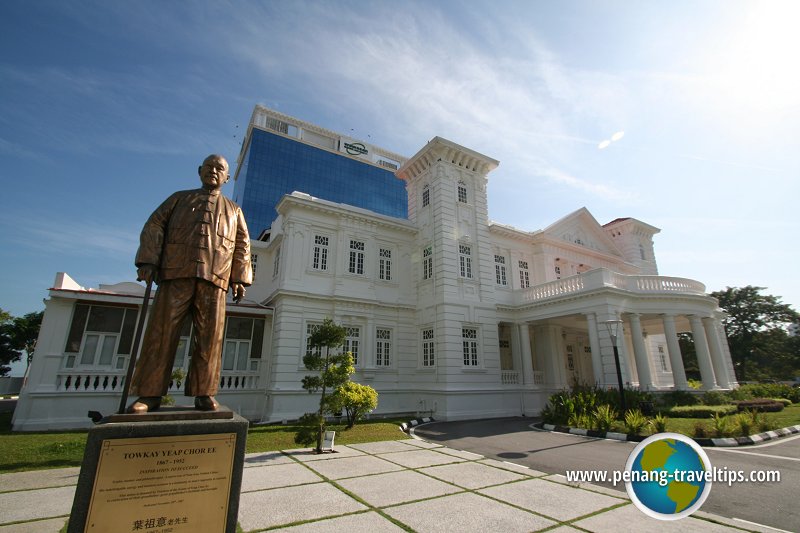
<point>8,352</point>
<point>355,399</point>
<point>334,370</point>
<point>18,334</point>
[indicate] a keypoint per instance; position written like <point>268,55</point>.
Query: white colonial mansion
<point>447,313</point>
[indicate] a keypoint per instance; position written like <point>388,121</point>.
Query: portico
<point>563,340</point>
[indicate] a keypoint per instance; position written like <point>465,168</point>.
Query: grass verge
<point>790,416</point>
<point>57,449</point>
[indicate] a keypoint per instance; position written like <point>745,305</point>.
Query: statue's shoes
<point>145,404</point>
<point>205,403</point>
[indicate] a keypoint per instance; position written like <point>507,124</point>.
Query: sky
<point>682,114</point>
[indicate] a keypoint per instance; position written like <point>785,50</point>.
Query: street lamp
<point>613,327</point>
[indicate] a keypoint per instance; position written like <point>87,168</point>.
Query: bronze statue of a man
<point>194,246</point>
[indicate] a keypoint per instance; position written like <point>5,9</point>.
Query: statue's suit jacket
<point>197,234</point>
<point>194,235</point>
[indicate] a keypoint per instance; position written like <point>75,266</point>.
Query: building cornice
<point>306,201</point>
<point>440,149</point>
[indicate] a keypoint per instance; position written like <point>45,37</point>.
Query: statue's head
<point>213,172</point>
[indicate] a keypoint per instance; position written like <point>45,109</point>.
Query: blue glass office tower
<point>282,155</point>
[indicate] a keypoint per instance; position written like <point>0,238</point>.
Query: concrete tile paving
<point>32,504</point>
<point>423,486</point>
<point>281,475</point>
<point>466,512</point>
<point>353,467</point>
<point>471,475</point>
<point>421,458</point>
<point>372,522</point>
<point>275,507</point>
<point>629,519</point>
<point>396,487</point>
<point>551,499</point>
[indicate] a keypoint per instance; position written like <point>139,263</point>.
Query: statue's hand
<point>146,273</point>
<point>238,292</point>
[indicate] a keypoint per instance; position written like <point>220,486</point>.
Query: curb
<point>723,442</point>
<point>406,426</point>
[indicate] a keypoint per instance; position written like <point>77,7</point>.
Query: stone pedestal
<point>172,471</point>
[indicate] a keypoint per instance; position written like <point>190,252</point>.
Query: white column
<point>703,355</point>
<point>525,351</point>
<point>674,349</point>
<point>717,359</point>
<point>594,344</point>
<point>640,353</point>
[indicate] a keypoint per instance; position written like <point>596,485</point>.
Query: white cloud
<point>46,232</point>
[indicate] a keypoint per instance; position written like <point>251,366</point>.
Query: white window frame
<point>428,348</point>
<point>241,354</point>
<point>500,270</point>
<point>383,347</point>
<point>75,359</point>
<point>254,264</point>
<point>662,358</point>
<point>385,264</point>
<point>276,263</point>
<point>524,276</point>
<point>311,327</point>
<point>320,252</point>
<point>352,342</point>
<point>355,263</point>
<point>102,338</point>
<point>465,261</point>
<point>427,262</point>
<point>426,195</point>
<point>463,196</point>
<point>469,344</point>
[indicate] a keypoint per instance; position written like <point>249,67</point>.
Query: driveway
<point>512,439</point>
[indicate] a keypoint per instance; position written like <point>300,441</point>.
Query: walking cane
<point>135,350</point>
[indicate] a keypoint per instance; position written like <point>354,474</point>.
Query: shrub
<point>699,430</point>
<point>603,417</point>
<point>766,390</point>
<point>722,426</point>
<point>701,411</point>
<point>785,401</point>
<point>745,423</point>
<point>678,397</point>
<point>580,421</point>
<point>764,405</point>
<point>695,384</point>
<point>714,397</point>
<point>659,423</point>
<point>355,399</point>
<point>560,407</point>
<point>635,421</point>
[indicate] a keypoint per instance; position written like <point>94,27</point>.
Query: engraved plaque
<point>163,484</point>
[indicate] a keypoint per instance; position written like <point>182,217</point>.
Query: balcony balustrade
<point>602,278</point>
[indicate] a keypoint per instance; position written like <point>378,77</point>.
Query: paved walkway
<point>381,486</point>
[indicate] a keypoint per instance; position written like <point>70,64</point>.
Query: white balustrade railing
<point>538,377</point>
<point>88,381</point>
<point>603,278</point>
<point>509,377</point>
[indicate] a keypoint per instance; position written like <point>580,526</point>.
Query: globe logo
<point>668,476</point>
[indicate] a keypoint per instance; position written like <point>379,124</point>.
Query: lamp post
<point>613,327</point>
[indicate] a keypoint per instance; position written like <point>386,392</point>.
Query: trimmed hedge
<point>702,411</point>
<point>762,405</point>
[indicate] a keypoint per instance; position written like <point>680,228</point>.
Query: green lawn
<point>35,451</point>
